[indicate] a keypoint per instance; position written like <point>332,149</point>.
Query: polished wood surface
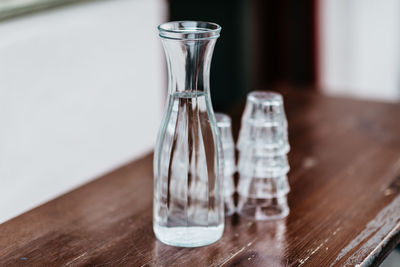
<point>344,200</point>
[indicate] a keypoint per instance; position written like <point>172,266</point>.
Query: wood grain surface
<point>344,201</point>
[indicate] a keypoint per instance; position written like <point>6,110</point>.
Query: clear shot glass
<point>263,166</point>
<point>256,166</point>
<point>224,125</point>
<point>263,186</point>
<point>260,209</point>
<point>269,187</point>
<point>264,124</point>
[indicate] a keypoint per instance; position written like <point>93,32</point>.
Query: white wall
<point>81,92</point>
<point>360,48</point>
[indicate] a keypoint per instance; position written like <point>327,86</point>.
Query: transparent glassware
<point>264,124</point>
<point>269,187</point>
<point>263,166</point>
<point>261,209</point>
<point>224,124</point>
<point>188,208</point>
<point>262,192</point>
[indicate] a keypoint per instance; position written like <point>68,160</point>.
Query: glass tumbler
<point>261,209</point>
<point>188,207</point>
<point>228,150</point>
<point>264,124</point>
<point>263,166</point>
<point>263,188</point>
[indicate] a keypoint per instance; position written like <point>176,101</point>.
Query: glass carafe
<point>188,208</point>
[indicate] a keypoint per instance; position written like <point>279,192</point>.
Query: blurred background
<point>83,83</point>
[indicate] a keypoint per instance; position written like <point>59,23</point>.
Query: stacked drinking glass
<point>228,160</point>
<point>263,166</point>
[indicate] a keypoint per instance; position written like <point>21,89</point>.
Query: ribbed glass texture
<point>263,165</point>
<point>228,152</point>
<point>188,206</point>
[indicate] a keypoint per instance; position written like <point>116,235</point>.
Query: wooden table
<point>344,200</point>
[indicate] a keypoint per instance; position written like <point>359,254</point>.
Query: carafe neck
<point>188,64</point>
<point>188,48</point>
